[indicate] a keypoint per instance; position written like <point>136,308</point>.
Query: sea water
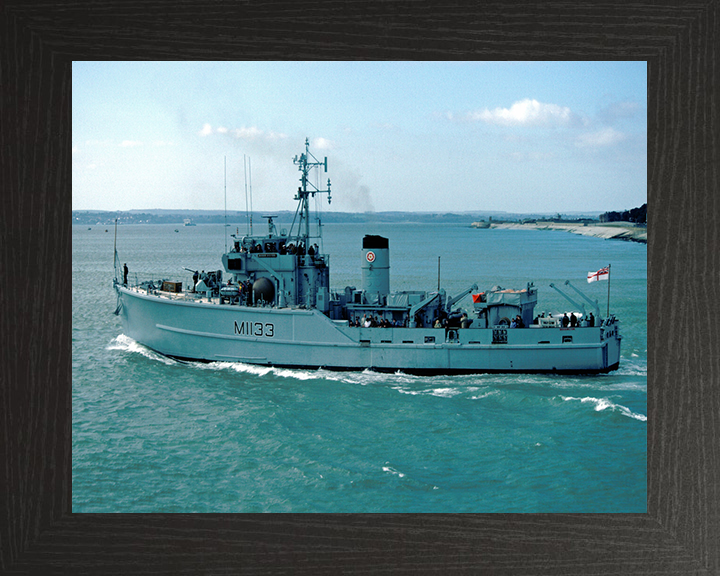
<point>151,434</point>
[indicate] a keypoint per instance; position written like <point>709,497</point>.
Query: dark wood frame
<point>680,532</point>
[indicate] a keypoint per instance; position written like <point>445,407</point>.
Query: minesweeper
<point>272,305</point>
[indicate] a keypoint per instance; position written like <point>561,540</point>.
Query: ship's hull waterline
<point>296,337</point>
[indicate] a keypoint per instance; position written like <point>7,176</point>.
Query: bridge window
<point>235,263</point>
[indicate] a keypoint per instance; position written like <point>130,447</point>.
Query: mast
<point>305,163</point>
<point>247,210</point>
<point>115,258</point>
<point>251,207</point>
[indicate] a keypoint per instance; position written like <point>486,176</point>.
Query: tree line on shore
<point>636,215</point>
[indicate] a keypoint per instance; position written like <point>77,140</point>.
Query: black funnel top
<point>377,242</point>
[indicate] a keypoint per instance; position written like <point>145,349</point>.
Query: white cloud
<point>526,112</point>
<point>130,143</point>
<point>322,143</point>
<point>74,149</point>
<point>247,133</point>
<point>243,133</point>
<point>605,137</point>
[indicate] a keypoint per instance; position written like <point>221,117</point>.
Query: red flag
<point>477,298</point>
<point>602,274</point>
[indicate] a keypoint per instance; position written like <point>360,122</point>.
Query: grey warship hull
<point>272,305</point>
<point>296,338</point>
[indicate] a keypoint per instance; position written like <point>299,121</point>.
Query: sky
<point>519,137</point>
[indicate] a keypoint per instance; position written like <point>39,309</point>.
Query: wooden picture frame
<point>679,533</point>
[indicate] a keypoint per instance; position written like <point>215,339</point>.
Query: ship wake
<point>601,404</point>
<point>127,344</point>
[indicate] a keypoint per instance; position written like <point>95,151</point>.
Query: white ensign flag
<point>602,274</point>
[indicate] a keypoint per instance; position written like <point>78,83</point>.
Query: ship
<point>271,304</point>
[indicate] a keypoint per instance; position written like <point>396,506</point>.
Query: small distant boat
<point>188,222</point>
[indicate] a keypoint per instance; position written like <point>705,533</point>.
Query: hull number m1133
<point>255,329</point>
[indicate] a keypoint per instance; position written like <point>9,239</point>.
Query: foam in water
<point>605,404</point>
<point>632,368</point>
<point>127,344</point>
<point>392,470</point>
<point>485,395</point>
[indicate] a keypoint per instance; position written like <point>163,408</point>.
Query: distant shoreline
<point>104,218</point>
<point>615,230</point>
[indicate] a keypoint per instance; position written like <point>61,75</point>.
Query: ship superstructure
<point>272,304</point>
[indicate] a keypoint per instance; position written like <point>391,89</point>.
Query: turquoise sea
<point>150,434</point>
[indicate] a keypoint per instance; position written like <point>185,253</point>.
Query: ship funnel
<point>375,265</point>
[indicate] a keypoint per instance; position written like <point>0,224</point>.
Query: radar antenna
<point>305,163</point>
